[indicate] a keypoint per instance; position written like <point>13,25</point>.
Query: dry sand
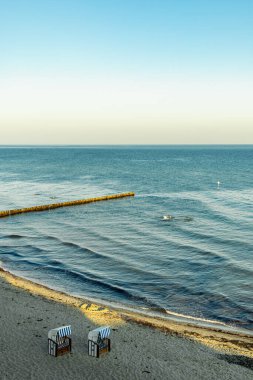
<point>139,350</point>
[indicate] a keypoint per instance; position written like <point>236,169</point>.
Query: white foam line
<point>194,318</point>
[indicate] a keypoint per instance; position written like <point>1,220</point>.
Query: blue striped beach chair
<point>98,341</point>
<point>59,340</point>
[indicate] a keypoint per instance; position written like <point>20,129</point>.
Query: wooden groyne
<point>63,204</point>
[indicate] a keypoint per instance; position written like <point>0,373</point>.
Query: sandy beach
<point>142,348</point>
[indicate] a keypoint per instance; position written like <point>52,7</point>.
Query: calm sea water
<point>198,263</point>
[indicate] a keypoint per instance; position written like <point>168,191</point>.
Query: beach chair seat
<point>98,341</point>
<point>59,340</point>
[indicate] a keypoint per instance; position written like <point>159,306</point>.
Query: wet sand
<point>142,347</point>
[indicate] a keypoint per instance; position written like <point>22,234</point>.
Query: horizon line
<point>123,145</point>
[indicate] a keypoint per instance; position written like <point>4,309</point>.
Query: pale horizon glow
<point>197,100</point>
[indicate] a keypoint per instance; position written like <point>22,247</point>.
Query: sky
<point>126,72</point>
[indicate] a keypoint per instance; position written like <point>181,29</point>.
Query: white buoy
<point>167,217</point>
<point>218,184</point>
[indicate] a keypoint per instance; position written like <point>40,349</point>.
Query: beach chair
<point>59,340</point>
<point>98,341</point>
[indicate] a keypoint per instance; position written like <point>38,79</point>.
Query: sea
<point>181,247</point>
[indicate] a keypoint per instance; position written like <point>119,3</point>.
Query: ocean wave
<point>13,236</point>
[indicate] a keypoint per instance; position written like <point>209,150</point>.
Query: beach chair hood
<point>59,332</point>
<point>99,334</point>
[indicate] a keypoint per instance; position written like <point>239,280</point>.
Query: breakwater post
<point>64,204</point>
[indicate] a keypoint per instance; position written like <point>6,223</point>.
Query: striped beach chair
<point>59,340</point>
<point>98,341</point>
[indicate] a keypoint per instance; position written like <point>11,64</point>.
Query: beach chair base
<point>57,349</point>
<point>96,349</point>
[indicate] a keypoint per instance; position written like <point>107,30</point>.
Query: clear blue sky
<point>126,71</point>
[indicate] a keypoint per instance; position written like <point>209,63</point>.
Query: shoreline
<point>215,337</point>
<point>164,315</point>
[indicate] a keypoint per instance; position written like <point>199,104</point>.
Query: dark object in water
<point>187,219</point>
